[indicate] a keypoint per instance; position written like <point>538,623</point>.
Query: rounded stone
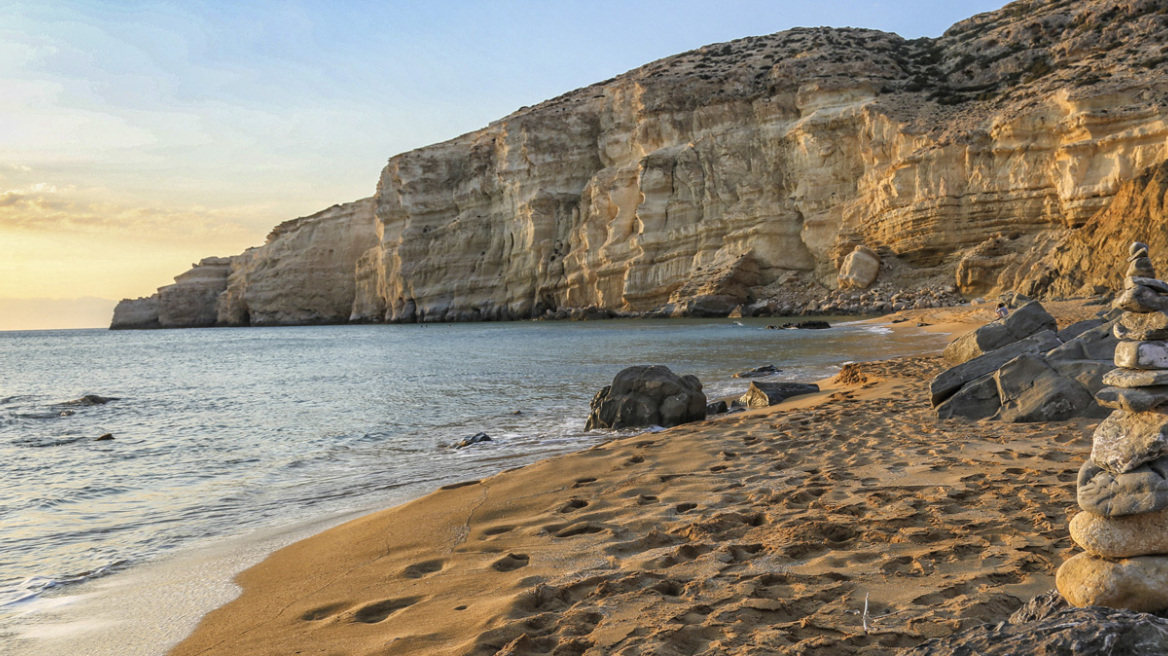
<point>1139,584</point>
<point>1145,534</point>
<point>1126,440</point>
<point>1141,490</point>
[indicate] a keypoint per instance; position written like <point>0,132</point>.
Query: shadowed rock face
<point>974,158</point>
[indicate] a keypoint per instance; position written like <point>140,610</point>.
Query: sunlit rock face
<point>969,159</point>
<point>304,274</point>
<point>1017,125</point>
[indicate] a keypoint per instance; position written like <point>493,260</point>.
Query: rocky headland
<point>813,170</point>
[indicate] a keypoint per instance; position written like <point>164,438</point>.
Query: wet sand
<point>768,531</point>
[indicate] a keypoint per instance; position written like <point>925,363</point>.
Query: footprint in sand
<point>418,570</point>
<point>511,562</point>
<point>573,505</point>
<point>572,530</point>
<point>580,482</point>
<point>324,612</point>
<point>685,507</point>
<point>380,610</point>
<point>635,460</point>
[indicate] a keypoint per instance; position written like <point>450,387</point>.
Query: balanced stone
<point>1142,355</point>
<point>1141,267</point>
<point>1141,490</point>
<point>1141,299</point>
<point>1151,283</point>
<point>1133,399</point>
<point>1139,584</point>
<point>1144,534</point>
<point>1135,249</point>
<point>1141,327</point>
<point>1126,440</point>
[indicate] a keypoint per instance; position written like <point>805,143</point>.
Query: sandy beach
<point>769,531</point>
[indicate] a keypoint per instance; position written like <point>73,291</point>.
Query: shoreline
<point>491,550</point>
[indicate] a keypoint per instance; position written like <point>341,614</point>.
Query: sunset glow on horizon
<point>138,138</point>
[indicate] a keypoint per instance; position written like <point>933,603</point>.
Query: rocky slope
<point>748,170</point>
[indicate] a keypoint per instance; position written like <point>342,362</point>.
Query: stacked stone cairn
<point>1123,486</point>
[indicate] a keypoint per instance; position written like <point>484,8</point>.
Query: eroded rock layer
<point>968,159</point>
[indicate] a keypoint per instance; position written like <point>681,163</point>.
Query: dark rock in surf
<point>91,399</point>
<point>759,372</point>
<point>477,438</point>
<point>104,438</point>
<point>647,395</point>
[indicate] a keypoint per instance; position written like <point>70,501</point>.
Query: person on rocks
<point>1002,312</point>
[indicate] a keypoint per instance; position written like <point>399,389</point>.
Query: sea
<point>229,443</point>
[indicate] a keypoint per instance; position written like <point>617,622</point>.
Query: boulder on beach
<point>647,395</point>
<point>1030,390</point>
<point>762,395</point>
<point>1030,319</point>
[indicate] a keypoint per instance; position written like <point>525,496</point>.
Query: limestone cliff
<point>788,149</point>
<point>709,178</point>
<point>304,274</point>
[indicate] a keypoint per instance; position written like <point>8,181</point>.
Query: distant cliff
<point>302,275</point>
<point>749,170</point>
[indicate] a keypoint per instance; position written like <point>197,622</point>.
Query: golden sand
<point>768,531</point>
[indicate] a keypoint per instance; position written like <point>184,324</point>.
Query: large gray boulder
<point>976,400</point>
<point>647,395</point>
<point>1097,343</point>
<point>948,382</point>
<point>1030,319</point>
<point>1030,390</point>
<point>1092,631</point>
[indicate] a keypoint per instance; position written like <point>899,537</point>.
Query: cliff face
<point>304,274</point>
<point>788,150</point>
<point>706,179</point>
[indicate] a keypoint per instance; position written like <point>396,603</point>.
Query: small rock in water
<point>104,438</point>
<point>473,439</point>
<point>517,412</point>
<point>807,325</point>
<point>91,399</point>
<point>765,370</point>
<point>922,324</point>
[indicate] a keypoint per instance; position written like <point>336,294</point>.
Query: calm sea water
<point>224,431</point>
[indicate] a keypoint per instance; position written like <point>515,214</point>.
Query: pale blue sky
<point>136,137</point>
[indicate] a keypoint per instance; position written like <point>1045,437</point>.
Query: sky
<point>139,137</point>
